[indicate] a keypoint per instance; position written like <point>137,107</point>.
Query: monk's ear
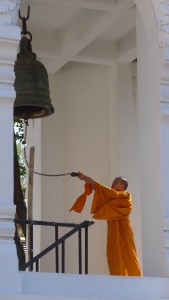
<point>124,187</point>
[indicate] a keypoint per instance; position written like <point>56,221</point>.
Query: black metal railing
<point>77,228</point>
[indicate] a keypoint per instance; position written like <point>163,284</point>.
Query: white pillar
<point>162,12</point>
<point>150,62</point>
<point>9,40</point>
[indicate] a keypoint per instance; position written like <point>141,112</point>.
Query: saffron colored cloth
<point>81,200</point>
<point>115,207</point>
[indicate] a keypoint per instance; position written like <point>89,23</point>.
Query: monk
<point>114,205</point>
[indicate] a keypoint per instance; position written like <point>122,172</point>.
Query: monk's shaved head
<point>120,183</point>
<point>123,181</point>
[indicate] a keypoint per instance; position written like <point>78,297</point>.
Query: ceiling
<point>88,31</point>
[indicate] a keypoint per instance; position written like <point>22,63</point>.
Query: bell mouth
<point>32,112</point>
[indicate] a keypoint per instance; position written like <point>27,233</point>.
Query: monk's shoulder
<point>111,192</point>
<point>126,194</point>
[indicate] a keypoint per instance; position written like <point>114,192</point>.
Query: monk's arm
<point>86,179</point>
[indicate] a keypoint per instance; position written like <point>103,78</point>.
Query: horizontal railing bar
<point>59,241</point>
<point>46,223</point>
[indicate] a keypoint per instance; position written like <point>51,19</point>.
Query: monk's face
<point>117,185</point>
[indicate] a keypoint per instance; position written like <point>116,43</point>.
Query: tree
<point>19,187</point>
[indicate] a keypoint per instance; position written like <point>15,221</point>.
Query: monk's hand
<point>87,179</point>
<point>81,176</point>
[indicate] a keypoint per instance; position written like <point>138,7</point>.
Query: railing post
<point>86,250</point>
<point>76,228</point>
<point>31,245</point>
<point>63,257</point>
<point>57,249</point>
<point>80,250</point>
<point>37,265</point>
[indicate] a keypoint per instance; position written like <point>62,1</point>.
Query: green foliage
<point>20,144</point>
<point>19,134</point>
<point>20,231</point>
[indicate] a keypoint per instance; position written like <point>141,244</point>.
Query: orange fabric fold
<point>81,200</point>
<point>109,204</point>
<point>115,207</point>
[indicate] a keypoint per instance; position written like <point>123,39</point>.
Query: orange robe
<point>115,207</point>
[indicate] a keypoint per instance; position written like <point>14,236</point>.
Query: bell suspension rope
<point>73,174</point>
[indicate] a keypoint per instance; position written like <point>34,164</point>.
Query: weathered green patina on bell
<point>31,85</point>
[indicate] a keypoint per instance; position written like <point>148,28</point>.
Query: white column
<point>162,13</point>
<point>164,93</point>
<point>150,61</point>
<point>9,40</point>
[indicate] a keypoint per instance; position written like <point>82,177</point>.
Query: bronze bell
<point>31,85</point>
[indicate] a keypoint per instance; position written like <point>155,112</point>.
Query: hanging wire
<point>73,174</point>
<point>24,25</point>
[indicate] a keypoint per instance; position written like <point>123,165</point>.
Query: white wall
<point>92,130</point>
<point>77,138</point>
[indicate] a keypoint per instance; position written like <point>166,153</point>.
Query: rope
<point>73,174</point>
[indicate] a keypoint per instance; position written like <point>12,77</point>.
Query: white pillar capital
<point>161,8</point>
<point>9,12</point>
